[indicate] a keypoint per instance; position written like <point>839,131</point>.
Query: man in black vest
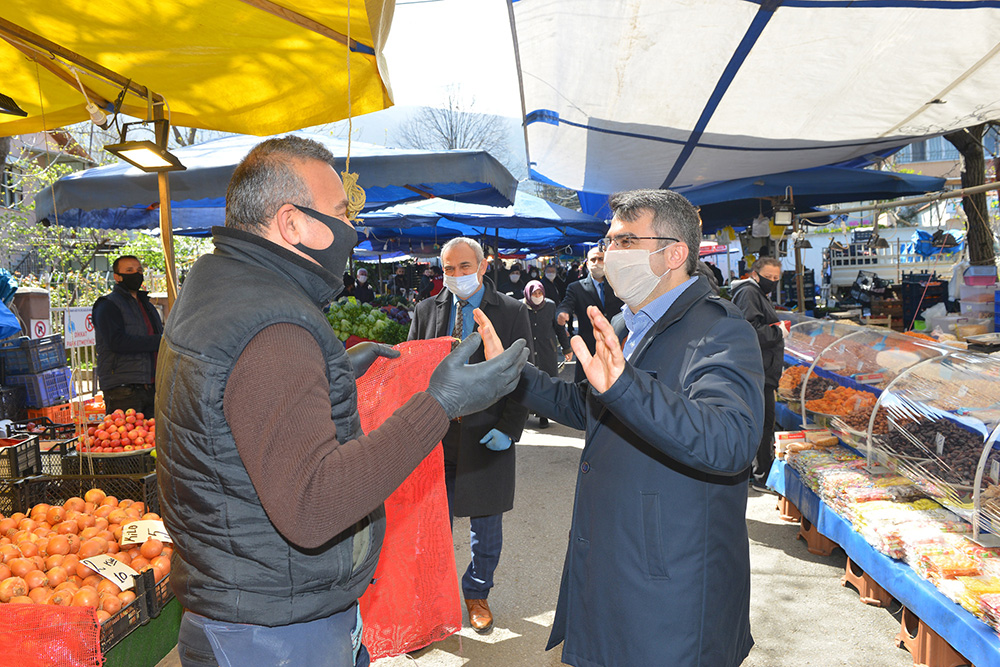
<point>127,330</point>
<point>270,491</point>
<point>590,291</point>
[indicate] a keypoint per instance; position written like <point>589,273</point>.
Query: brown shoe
<point>480,617</point>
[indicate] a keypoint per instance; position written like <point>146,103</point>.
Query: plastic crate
<point>138,463</point>
<point>46,389</point>
<point>32,355</point>
<point>58,489</point>
<point>150,598</point>
<point>60,414</point>
<point>10,496</point>
<point>19,457</point>
<point>43,427</point>
<point>12,402</point>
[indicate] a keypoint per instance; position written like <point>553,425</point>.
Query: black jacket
<point>759,312</point>
<point>125,349</point>
<point>579,295</point>
<point>484,479</point>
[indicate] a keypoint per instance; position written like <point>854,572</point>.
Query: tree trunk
<point>979,238</point>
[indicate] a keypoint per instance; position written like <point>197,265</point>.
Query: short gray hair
<point>673,216</point>
<point>465,240</point>
<point>763,263</point>
<point>267,178</point>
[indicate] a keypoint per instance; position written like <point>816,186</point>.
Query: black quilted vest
<point>230,563</point>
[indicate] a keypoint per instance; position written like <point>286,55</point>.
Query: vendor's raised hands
<point>607,363</point>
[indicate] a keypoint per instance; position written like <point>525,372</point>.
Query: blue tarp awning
<point>737,202</point>
<point>120,196</point>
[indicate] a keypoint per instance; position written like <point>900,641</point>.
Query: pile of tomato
<point>121,431</point>
<point>41,553</point>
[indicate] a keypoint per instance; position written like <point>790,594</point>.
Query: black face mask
<point>131,281</point>
<point>766,285</point>
<point>334,257</point>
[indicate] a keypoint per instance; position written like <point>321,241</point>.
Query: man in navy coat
<point>657,570</point>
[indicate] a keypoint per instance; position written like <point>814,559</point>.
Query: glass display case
<point>937,423</point>
<point>845,367</point>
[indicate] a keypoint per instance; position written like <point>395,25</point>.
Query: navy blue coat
<point>658,566</point>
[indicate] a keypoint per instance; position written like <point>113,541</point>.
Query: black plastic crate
<point>32,355</point>
<point>919,292</point>
<point>19,457</point>
<point>58,489</point>
<point>43,427</point>
<point>54,452</point>
<point>12,402</point>
<point>127,464</point>
<point>150,598</point>
<point>10,496</point>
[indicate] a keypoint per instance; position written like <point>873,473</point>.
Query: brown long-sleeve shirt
<point>312,486</point>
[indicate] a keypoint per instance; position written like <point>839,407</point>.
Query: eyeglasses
<point>625,241</point>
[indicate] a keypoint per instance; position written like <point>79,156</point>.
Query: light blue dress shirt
<point>640,323</point>
<point>468,323</point>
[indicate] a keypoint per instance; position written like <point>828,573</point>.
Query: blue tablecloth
<point>966,633</point>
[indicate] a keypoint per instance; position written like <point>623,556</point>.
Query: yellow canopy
<point>248,66</point>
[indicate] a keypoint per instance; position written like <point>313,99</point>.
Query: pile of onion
<point>40,553</point>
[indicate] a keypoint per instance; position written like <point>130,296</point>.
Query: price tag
<point>140,531</point>
<point>112,569</point>
<point>995,471</point>
<point>939,443</point>
<point>962,391</point>
<point>861,364</point>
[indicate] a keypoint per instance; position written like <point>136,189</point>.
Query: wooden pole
<point>166,222</point>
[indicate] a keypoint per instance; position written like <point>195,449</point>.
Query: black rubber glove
<point>462,388</point>
<point>363,355</point>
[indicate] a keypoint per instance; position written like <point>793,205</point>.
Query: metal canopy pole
<point>923,199</point>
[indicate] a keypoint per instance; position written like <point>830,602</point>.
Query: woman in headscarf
<point>548,335</point>
<point>363,292</point>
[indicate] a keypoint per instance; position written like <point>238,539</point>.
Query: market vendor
<point>753,297</point>
<point>269,489</point>
<point>127,331</point>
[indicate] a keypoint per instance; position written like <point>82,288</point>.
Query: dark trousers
<point>139,397</point>
<point>765,450</point>
<point>485,540</point>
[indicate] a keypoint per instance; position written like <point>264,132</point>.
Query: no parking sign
<point>79,328</point>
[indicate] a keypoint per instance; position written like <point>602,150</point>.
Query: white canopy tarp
<point>623,94</point>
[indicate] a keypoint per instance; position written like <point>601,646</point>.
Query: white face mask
<point>362,279</point>
<point>597,271</point>
<point>514,277</point>
<point>630,275</point>
<point>537,298</point>
<point>462,286</point>
<point>550,275</point>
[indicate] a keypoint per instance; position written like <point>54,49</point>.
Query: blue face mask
<point>334,257</point>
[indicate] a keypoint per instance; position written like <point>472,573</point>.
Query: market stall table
<point>968,635</point>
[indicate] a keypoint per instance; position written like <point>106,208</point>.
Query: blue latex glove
<point>496,441</point>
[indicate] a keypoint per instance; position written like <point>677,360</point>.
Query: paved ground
<point>800,614</point>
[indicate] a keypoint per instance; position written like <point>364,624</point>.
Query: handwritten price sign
<point>138,532</point>
<point>112,569</point>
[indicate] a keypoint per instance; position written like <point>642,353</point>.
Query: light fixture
<point>146,155</point>
<point>784,211</point>
<point>880,243</point>
<point>804,243</point>
<point>97,115</point>
<point>9,106</point>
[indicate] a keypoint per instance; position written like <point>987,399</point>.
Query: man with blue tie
<point>478,456</point>
<point>592,290</point>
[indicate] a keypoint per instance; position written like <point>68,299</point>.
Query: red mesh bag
<point>42,636</point>
<point>415,599</point>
